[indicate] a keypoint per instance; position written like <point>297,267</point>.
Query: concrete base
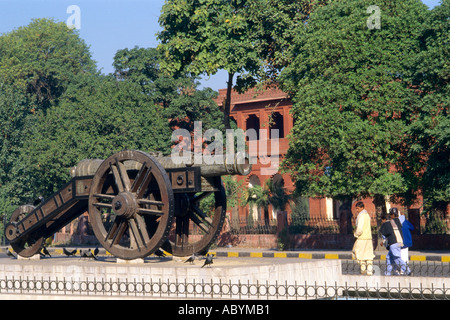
<point>134,261</point>
<point>224,270</point>
<point>35,257</point>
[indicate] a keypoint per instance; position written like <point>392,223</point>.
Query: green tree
<point>249,39</point>
<point>40,59</point>
<point>96,117</point>
<point>13,116</point>
<point>275,21</point>
<point>206,36</point>
<point>37,64</point>
<point>233,189</point>
<point>353,101</point>
<point>256,196</point>
<point>426,154</point>
<point>279,197</point>
<point>182,102</point>
<point>271,193</point>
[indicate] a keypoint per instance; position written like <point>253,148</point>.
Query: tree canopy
<point>179,95</point>
<point>42,58</point>
<point>94,119</point>
<point>202,37</point>
<point>250,39</point>
<point>353,98</point>
<point>426,164</point>
<point>56,108</point>
<point>37,63</point>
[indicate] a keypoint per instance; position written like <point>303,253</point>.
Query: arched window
<point>253,123</point>
<point>277,123</point>
<point>253,181</point>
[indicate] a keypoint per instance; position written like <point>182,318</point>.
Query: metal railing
<point>313,225</point>
<point>297,225</point>
<point>249,225</point>
<point>212,290</point>
<point>417,268</point>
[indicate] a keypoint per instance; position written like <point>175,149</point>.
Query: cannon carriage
<point>137,203</point>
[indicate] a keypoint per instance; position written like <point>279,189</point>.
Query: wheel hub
<point>125,205</point>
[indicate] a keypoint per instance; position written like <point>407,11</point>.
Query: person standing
<point>407,227</point>
<point>392,231</point>
<point>363,248</point>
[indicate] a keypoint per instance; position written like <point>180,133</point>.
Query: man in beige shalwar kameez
<point>363,248</point>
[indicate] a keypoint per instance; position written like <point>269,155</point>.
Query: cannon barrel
<point>240,165</point>
<point>237,165</point>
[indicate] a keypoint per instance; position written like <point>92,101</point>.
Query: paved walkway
<point>441,256</point>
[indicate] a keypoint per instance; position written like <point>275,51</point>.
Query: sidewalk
<point>438,256</point>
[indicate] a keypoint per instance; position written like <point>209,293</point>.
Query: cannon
<point>136,202</point>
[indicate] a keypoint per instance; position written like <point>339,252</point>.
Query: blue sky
<point>106,25</point>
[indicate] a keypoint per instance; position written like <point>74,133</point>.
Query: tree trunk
<point>380,209</point>
<point>266,216</point>
<point>345,216</point>
<point>227,102</point>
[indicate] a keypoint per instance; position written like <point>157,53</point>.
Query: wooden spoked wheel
<point>29,246</point>
<point>199,218</point>
<point>131,204</point>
